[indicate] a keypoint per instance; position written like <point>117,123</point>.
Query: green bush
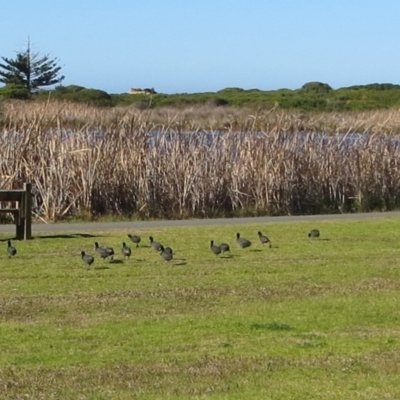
<point>312,96</point>
<point>79,94</point>
<point>316,87</point>
<point>13,91</point>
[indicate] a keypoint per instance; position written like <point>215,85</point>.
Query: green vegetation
<point>13,91</point>
<point>313,96</point>
<point>78,94</point>
<point>306,319</point>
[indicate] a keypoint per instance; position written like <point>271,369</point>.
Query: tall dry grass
<point>198,162</point>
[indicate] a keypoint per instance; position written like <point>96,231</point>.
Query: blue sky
<point>187,46</point>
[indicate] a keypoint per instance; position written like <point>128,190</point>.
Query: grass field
<point>306,319</point>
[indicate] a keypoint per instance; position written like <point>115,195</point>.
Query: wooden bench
<point>19,203</point>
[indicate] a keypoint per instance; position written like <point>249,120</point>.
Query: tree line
<point>29,76</point>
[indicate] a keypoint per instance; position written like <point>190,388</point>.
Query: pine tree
<point>30,70</point>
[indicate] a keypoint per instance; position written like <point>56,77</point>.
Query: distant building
<point>142,91</point>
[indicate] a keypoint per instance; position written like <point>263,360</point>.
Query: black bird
<point>242,242</point>
<point>314,233</point>
<point>87,259</point>
<point>214,248</point>
<point>104,252</point>
<point>126,251</point>
<point>166,253</point>
<point>11,250</point>
<point>264,239</point>
<point>135,239</point>
<point>168,250</point>
<point>155,245</point>
<point>224,247</point>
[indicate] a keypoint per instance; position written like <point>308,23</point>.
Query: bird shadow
<point>65,236</point>
<point>180,263</point>
<point>102,267</point>
<point>227,256</point>
<point>256,250</point>
<point>117,261</point>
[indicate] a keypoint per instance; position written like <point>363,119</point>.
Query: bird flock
<point>105,253</point>
<point>166,253</point>
<point>241,241</point>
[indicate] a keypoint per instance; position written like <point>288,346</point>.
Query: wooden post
<point>20,224</point>
<point>20,216</point>
<point>28,211</point>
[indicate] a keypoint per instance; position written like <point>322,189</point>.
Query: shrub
<point>79,94</point>
<point>13,91</point>
<point>316,87</point>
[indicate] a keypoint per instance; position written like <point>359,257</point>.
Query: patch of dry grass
<point>214,378</point>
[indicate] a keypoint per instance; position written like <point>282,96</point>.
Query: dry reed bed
<point>87,160</point>
<point>205,117</point>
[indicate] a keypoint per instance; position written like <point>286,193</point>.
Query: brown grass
<point>33,309</point>
<point>209,376</point>
<point>197,162</point>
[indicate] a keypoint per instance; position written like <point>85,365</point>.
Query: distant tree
<point>316,87</point>
<point>30,71</point>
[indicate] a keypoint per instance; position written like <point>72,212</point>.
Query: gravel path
<point>129,226</point>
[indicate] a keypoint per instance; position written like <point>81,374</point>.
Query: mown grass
<point>306,319</point>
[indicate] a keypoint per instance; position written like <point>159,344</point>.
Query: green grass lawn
<point>305,319</point>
